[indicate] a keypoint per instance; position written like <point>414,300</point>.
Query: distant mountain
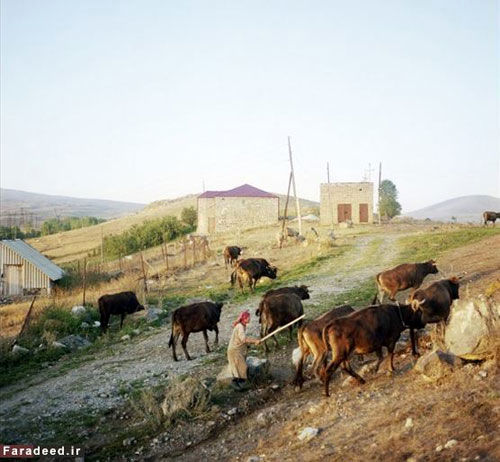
<point>465,209</point>
<point>19,207</point>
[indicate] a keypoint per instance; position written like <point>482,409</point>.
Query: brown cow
<point>122,303</point>
<point>278,310</point>
<point>231,254</point>
<point>196,317</point>
<point>402,277</point>
<point>250,270</point>
<point>366,331</point>
<point>490,216</point>
<point>311,341</point>
<point>301,291</point>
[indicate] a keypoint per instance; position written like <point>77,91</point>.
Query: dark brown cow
<point>231,254</point>
<point>301,291</point>
<point>250,270</point>
<point>278,310</point>
<point>363,332</point>
<point>122,303</point>
<point>402,277</point>
<point>311,341</point>
<point>197,317</point>
<point>490,216</point>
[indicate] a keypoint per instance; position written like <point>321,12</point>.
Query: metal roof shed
<point>24,269</point>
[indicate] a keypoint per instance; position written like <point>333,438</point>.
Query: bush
<point>189,216</point>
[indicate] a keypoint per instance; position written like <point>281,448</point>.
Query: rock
<point>125,337</point>
<point>128,442</point>
<point>483,374</point>
<point>58,345</point>
<point>136,332</point>
<point>78,310</point>
<point>258,369</point>
<point>254,459</point>
<point>19,350</point>
<point>308,433</point>
<point>275,387</point>
<point>436,364</point>
<point>74,342</point>
<point>232,411</point>
<point>97,324</point>
<point>153,314</point>
<point>471,326</point>
<point>84,325</point>
<point>409,423</point>
<point>439,448</point>
<point>349,382</point>
<point>449,444</point>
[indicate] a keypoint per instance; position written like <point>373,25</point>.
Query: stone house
<point>239,208</point>
<point>341,202</point>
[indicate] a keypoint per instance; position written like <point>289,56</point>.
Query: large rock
<point>74,342</point>
<point>472,325</point>
<point>258,369</point>
<point>19,350</point>
<point>78,310</point>
<point>436,364</point>
<point>153,314</point>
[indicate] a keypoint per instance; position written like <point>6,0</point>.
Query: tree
<point>189,216</point>
<point>388,204</point>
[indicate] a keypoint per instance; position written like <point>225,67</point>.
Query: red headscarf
<point>244,316</point>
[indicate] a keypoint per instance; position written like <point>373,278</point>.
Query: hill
<point>465,209</point>
<point>22,206</point>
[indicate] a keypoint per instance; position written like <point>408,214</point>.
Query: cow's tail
<point>171,341</point>
<point>233,277</point>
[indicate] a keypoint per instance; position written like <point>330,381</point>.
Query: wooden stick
<point>25,323</point>
<point>281,328</point>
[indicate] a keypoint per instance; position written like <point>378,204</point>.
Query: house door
<point>211,225</point>
<point>363,213</point>
<point>344,212</point>
<point>13,279</point>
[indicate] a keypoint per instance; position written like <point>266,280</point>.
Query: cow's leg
<point>290,329</point>
<point>183,343</point>
<point>347,367</point>
<point>328,372</point>
<point>104,322</point>
<point>390,348</point>
<point>216,329</point>
<point>380,357</point>
<point>121,319</point>
<point>205,336</point>
<point>175,337</point>
<point>414,341</point>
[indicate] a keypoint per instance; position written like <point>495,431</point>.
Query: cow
<point>197,317</point>
<point>490,216</point>
<point>402,277</point>
<point>231,254</point>
<point>122,303</point>
<point>311,342</point>
<point>365,331</point>
<point>278,310</point>
<point>250,270</point>
<point>301,291</point>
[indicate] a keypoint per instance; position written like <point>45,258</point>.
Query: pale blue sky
<point>142,100</point>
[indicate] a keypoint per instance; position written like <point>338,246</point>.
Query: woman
<point>237,349</point>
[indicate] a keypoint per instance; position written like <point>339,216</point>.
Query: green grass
<point>432,245</point>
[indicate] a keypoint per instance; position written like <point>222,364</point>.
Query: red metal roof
<point>244,190</point>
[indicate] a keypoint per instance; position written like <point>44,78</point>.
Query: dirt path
<point>101,382</point>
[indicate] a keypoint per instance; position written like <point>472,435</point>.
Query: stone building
<point>340,202</point>
<point>239,208</point>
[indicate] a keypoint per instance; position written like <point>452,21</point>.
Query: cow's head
<point>431,267</point>
<point>454,286</point>
<point>272,272</point>
<point>219,306</point>
<point>303,292</point>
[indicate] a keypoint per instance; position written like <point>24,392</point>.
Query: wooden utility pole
<point>144,274</point>
<point>329,190</point>
<point>379,182</point>
<point>84,279</point>
<point>102,246</point>
<point>297,204</point>
<point>286,210</point>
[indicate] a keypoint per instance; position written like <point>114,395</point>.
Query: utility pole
<point>297,204</point>
<point>286,211</point>
<point>329,190</point>
<point>379,181</point>
<point>102,246</point>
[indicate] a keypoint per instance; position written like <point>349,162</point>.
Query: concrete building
<point>340,202</point>
<point>239,208</point>
<point>25,270</point>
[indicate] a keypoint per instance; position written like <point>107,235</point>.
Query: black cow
<point>197,317</point>
<point>250,270</point>
<point>490,216</point>
<point>231,254</point>
<point>121,304</point>
<point>301,291</point>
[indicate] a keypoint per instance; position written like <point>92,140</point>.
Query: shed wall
<point>245,212</point>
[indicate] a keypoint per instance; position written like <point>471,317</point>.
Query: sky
<point>146,100</point>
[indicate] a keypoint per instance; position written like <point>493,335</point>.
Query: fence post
<point>25,323</point>
<point>84,279</point>
<point>144,274</point>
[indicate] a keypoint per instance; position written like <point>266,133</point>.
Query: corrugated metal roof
<point>244,190</point>
<point>35,257</point>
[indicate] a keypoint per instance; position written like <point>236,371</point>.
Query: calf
<point>231,254</point>
<point>121,304</point>
<point>402,277</point>
<point>301,291</point>
<point>196,317</point>
<point>278,310</point>
<point>490,216</point>
<point>365,331</point>
<point>311,341</point>
<point>250,270</point>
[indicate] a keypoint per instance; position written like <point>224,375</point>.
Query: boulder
<point>73,342</point>
<point>258,369</point>
<point>436,364</point>
<point>19,350</point>
<point>472,325</point>
<point>78,310</point>
<point>153,314</point>
<point>308,433</point>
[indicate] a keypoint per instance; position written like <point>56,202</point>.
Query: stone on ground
<point>19,350</point>
<point>308,433</point>
<point>74,342</point>
<point>258,369</point>
<point>78,310</point>
<point>436,364</point>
